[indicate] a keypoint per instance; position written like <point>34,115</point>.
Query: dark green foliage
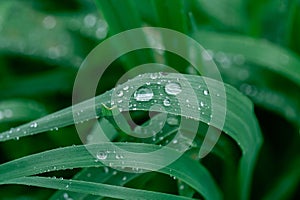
<point>256,47</point>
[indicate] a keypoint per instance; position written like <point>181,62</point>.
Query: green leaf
<point>184,168</point>
<point>264,88</point>
<point>261,52</point>
<point>42,36</point>
<point>229,13</point>
<point>242,128</point>
<point>93,188</point>
<point>116,13</point>
<point>14,110</point>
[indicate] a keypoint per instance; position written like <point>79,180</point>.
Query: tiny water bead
<point>101,155</point>
<point>173,88</point>
<point>206,92</point>
<point>181,187</point>
<point>154,76</point>
<point>202,104</point>
<point>143,94</point>
<point>33,125</point>
<point>167,102</point>
<point>172,121</point>
<point>126,88</point>
<point>120,93</point>
<point>119,156</point>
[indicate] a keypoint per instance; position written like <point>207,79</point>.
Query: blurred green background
<point>43,43</point>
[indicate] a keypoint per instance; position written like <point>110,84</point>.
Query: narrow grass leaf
<point>184,168</point>
<point>93,188</point>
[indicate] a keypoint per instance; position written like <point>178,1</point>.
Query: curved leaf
<point>184,168</point>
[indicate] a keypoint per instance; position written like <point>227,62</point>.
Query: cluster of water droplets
<point>261,95</point>
<point>145,93</point>
<point>90,25</point>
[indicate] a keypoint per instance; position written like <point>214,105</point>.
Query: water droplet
<point>181,187</point>
<point>124,178</point>
<point>173,88</point>
<point>89,20</point>
<point>66,196</point>
<point>33,125</point>
<point>101,30</point>
<point>7,113</point>
<point>126,88</point>
<point>167,102</point>
<point>173,121</point>
<point>153,76</point>
<point>239,59</point>
<point>120,93</point>
<point>101,33</point>
<point>101,155</point>
<point>205,92</point>
<point>175,141</point>
<point>54,52</point>
<point>143,94</point>
<point>201,104</point>
<point>207,55</point>
<point>106,170</point>
<point>119,156</point>
<point>49,22</point>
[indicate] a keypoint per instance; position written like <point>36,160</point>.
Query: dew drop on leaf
<point>33,125</point>
<point>126,88</point>
<point>101,155</point>
<point>205,92</point>
<point>201,104</point>
<point>119,156</point>
<point>143,94</point>
<point>120,93</point>
<point>167,102</point>
<point>173,88</point>
<point>153,76</point>
<point>173,121</point>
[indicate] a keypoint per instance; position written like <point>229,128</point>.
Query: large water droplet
<point>173,88</point>
<point>143,94</point>
<point>101,155</point>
